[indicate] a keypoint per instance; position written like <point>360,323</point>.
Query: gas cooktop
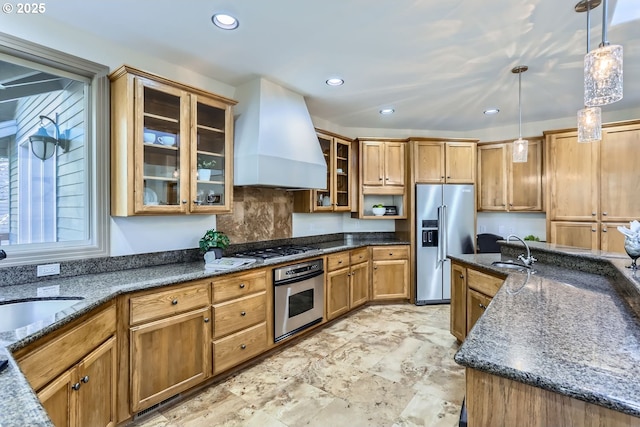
<point>277,253</point>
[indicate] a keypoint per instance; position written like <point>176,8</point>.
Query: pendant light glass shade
<point>603,76</point>
<point>520,146</point>
<point>520,150</point>
<point>589,124</point>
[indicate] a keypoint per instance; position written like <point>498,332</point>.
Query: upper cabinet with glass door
<point>171,150</point>
<point>336,196</point>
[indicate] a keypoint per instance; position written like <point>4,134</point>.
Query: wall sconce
<point>44,145</point>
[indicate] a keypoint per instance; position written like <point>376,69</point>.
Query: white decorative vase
<point>204,174</point>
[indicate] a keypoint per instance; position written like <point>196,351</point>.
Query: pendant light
<point>520,146</point>
<point>603,70</point>
<point>589,118</point>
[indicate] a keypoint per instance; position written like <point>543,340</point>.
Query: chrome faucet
<point>529,260</point>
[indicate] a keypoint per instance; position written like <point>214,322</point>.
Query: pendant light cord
<point>605,42</point>
<point>520,105</point>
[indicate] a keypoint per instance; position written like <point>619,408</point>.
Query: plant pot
<point>379,211</point>
<point>212,254</point>
<point>204,174</point>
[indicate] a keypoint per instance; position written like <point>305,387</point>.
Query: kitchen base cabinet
<point>574,233</point>
<point>74,372</point>
<point>169,356</point>
<point>458,325</point>
<point>240,327</point>
<point>390,277</point>
<point>347,282</point>
<point>471,293</point>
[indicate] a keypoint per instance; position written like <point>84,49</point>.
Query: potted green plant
<point>204,168</point>
<point>214,241</point>
<point>379,209</point>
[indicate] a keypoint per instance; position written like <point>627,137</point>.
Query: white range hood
<point>275,144</point>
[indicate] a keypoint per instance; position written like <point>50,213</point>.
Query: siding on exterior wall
<point>69,217</point>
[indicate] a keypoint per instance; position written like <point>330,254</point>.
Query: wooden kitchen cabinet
<point>593,183</point>
<point>439,161</point>
<point>171,148</point>
<point>337,195</point>
<point>458,324</point>
<point>347,281</point>
<point>390,277</point>
<point>240,318</point>
<point>507,186</point>
<point>383,163</point>
<point>471,293</point>
<point>74,372</point>
<point>169,334</point>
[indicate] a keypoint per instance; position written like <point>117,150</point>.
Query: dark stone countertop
<point>572,327</point>
<point>20,406</point>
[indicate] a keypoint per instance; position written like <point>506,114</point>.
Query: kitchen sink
<point>512,265</point>
<point>14,315</point>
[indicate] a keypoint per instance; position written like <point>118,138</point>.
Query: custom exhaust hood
<point>275,144</point>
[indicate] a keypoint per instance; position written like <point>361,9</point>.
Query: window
<point>57,208</point>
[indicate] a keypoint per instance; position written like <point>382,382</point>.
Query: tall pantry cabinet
<point>592,187</point>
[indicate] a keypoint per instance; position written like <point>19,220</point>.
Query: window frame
<point>98,162</point>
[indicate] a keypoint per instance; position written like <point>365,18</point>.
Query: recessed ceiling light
<point>335,81</point>
<point>386,111</point>
<point>491,111</point>
<point>224,21</point>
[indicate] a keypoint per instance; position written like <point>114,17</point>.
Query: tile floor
<point>385,365</point>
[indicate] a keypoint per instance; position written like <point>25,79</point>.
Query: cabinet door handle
<point>243,346</point>
<point>174,302</point>
<point>85,379</point>
<point>482,306</point>
<point>206,320</point>
<point>243,313</point>
<point>462,276</point>
<point>76,386</point>
<point>241,285</point>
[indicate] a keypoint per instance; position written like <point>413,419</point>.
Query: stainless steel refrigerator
<point>445,223</point>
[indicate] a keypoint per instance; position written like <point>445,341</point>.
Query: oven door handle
<point>299,279</point>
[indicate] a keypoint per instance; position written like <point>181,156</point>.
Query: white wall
<point>326,223</point>
<point>505,223</point>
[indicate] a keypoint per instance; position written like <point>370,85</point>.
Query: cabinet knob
<point>604,214</point>
<point>387,179</point>
<point>76,386</point>
<point>462,276</point>
<point>593,229</point>
<point>510,204</point>
<point>604,230</point>
<point>448,177</point>
<point>340,262</point>
<point>353,273</point>
<point>390,253</point>
<point>442,177</point>
<point>593,214</point>
<point>243,346</point>
<point>174,302</point>
<point>482,306</point>
<point>241,285</point>
<point>243,313</point>
<point>206,320</point>
<point>85,379</point>
<point>380,179</point>
<point>184,201</point>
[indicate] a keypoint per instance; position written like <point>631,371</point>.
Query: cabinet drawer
<point>359,255</point>
<point>236,348</point>
<point>239,286</point>
<point>58,355</point>
<point>337,261</point>
<point>239,314</point>
<point>390,252</point>
<point>483,283</point>
<point>167,303</point>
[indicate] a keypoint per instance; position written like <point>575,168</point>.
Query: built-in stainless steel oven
<point>298,297</point>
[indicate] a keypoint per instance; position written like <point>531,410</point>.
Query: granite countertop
<point>20,406</point>
<point>572,327</point>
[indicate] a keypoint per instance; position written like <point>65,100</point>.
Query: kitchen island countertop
<point>20,406</point>
<point>572,327</point>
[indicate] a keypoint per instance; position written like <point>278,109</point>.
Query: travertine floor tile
<point>384,365</point>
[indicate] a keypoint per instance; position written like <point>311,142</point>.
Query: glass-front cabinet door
<point>322,198</point>
<point>211,156</point>
<point>161,144</point>
<point>342,172</point>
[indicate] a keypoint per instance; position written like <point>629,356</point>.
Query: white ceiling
<point>438,63</point>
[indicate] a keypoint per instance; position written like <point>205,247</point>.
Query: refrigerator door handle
<point>444,233</point>
<point>440,235</point>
